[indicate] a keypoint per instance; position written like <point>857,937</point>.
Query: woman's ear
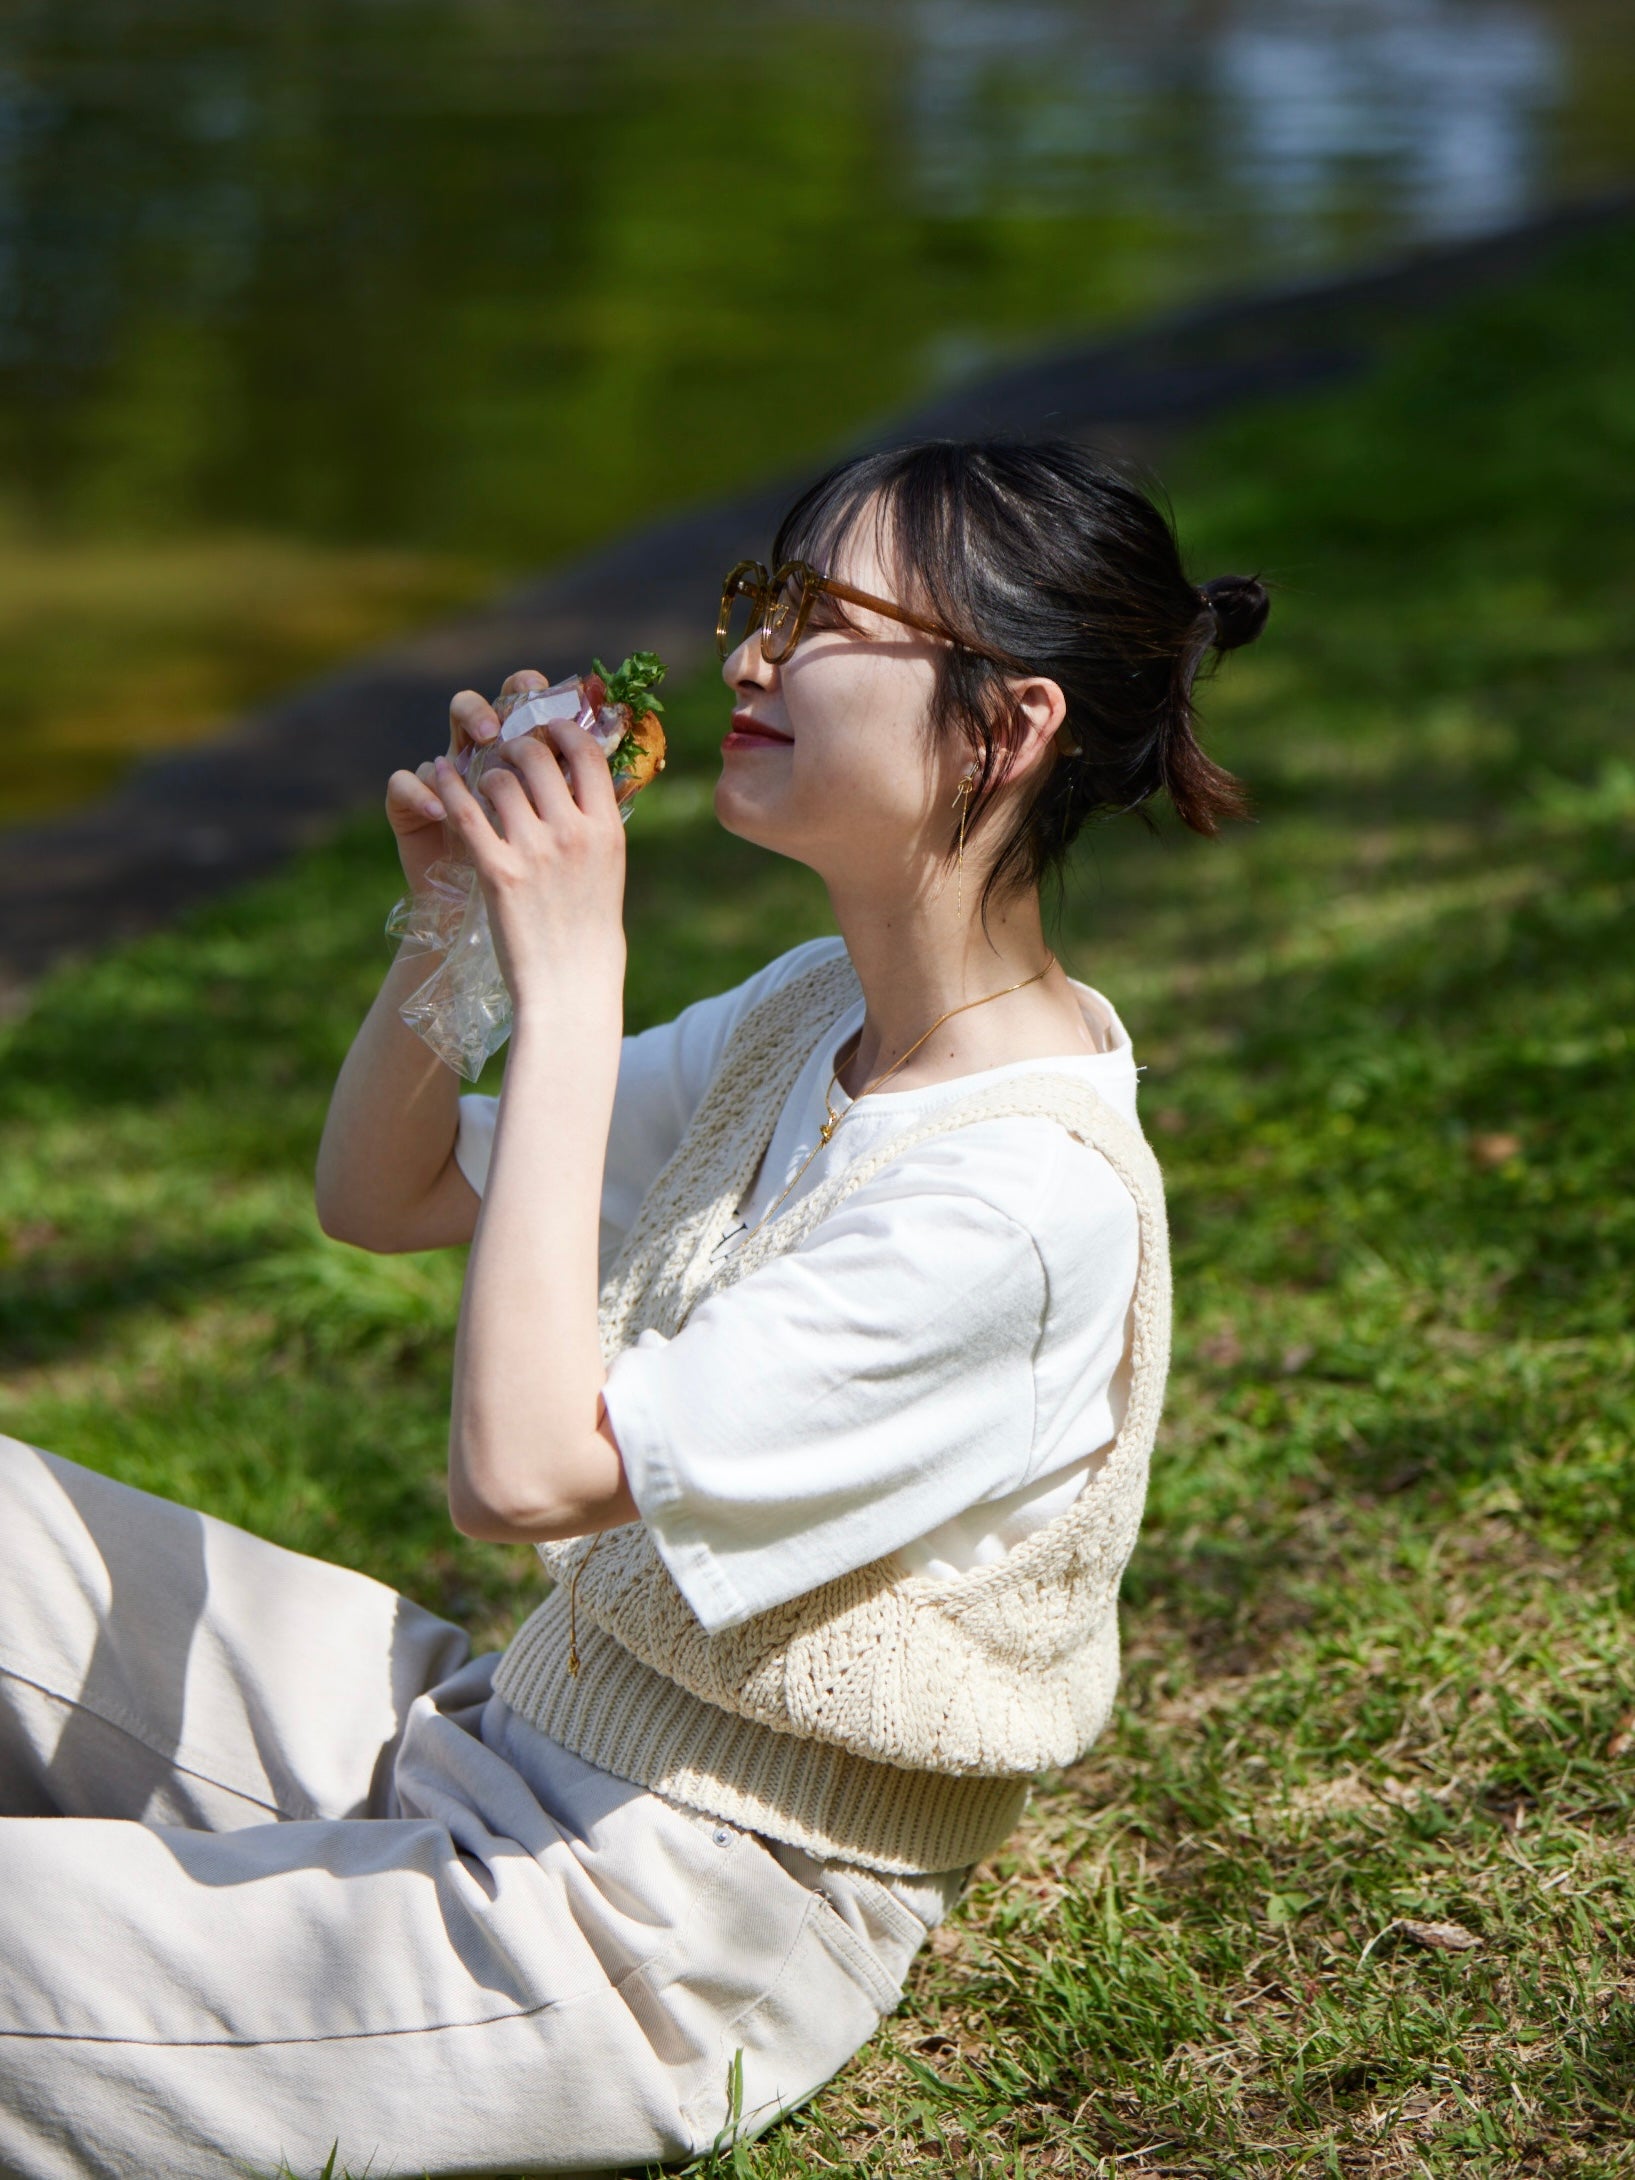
<point>1039,708</point>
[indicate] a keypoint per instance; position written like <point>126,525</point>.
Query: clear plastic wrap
<point>463,1009</point>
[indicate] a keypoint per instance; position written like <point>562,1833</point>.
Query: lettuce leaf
<point>634,682</point>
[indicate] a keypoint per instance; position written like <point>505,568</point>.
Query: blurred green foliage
<point>1377,1652</point>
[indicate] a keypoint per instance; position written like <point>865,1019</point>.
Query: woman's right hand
<point>413,808</point>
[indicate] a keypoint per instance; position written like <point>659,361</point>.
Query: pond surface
<point>317,318</point>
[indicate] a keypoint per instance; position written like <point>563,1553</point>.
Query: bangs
<point>823,521</point>
<point>914,519</point>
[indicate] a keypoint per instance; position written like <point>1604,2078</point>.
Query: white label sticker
<point>535,710</point>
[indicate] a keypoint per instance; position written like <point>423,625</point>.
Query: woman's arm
<point>531,1453</point>
<point>386,1177</point>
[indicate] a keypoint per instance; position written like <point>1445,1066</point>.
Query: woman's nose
<point>745,667</point>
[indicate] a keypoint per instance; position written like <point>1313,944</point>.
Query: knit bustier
<point>891,1717</point>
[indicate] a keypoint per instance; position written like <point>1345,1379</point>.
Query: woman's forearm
<point>386,1177</point>
<point>530,1454</point>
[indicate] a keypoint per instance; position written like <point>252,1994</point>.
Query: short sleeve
<point>474,1144</point>
<point>663,1075</point>
<point>842,1399</point>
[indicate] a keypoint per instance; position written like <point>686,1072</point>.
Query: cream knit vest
<point>888,1717</point>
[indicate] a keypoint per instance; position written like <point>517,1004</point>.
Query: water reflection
<point>1426,116</point>
<point>400,296</point>
<point>1438,106</point>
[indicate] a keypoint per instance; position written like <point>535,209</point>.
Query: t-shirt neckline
<point>852,1020</point>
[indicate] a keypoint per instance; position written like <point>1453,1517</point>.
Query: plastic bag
<point>463,1010</point>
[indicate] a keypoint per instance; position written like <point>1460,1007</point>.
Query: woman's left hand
<point>548,845</point>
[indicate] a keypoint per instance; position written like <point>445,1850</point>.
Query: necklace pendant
<point>827,1129</point>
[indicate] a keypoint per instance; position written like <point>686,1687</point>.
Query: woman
<point>838,1480</point>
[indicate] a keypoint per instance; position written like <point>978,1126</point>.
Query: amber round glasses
<point>780,604</point>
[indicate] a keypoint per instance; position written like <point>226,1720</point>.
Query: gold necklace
<point>833,1119</point>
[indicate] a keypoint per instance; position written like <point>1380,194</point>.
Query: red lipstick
<point>748,732</point>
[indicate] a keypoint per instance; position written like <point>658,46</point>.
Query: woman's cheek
<point>838,769</point>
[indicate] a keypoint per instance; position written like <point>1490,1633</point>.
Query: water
<point>317,318</point>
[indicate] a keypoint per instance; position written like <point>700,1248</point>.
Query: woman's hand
<point>387,1176</point>
<point>544,834</point>
<point>414,809</point>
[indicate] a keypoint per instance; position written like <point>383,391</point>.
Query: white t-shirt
<point>935,1369</point>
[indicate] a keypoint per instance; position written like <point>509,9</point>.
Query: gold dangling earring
<point>962,795</point>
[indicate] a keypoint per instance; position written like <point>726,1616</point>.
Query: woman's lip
<point>746,730</point>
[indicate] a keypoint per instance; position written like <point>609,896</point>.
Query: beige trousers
<point>304,1882</point>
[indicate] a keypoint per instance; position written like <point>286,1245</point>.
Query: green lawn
<point>1378,1625</point>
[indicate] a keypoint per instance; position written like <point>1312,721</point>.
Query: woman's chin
<point>737,811</point>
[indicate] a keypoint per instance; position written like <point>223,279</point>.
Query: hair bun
<point>1240,605</point>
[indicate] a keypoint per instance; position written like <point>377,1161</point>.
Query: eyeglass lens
<point>740,612</point>
<point>777,614</point>
<point>782,619</point>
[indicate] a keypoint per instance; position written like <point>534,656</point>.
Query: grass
<point>1377,1627</point>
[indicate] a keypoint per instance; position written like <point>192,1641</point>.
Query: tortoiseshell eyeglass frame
<point>781,629</point>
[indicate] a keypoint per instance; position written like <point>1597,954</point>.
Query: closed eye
<point>827,615</point>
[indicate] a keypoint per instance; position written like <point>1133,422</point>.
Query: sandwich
<point>618,710</point>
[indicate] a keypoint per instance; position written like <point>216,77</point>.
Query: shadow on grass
<point>69,1305</point>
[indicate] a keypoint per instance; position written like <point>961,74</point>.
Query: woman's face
<point>843,776</point>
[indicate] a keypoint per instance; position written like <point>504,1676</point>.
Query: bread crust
<point>644,755</point>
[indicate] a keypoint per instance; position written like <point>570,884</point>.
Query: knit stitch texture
<point>891,1717</point>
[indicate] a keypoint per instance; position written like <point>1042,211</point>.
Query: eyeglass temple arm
<point>913,620</point>
<point>877,605</point>
<point>814,582</point>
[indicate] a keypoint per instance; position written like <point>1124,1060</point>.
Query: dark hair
<point>1038,553</point>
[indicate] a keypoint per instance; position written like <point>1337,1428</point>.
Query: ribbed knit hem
<point>627,1719</point>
